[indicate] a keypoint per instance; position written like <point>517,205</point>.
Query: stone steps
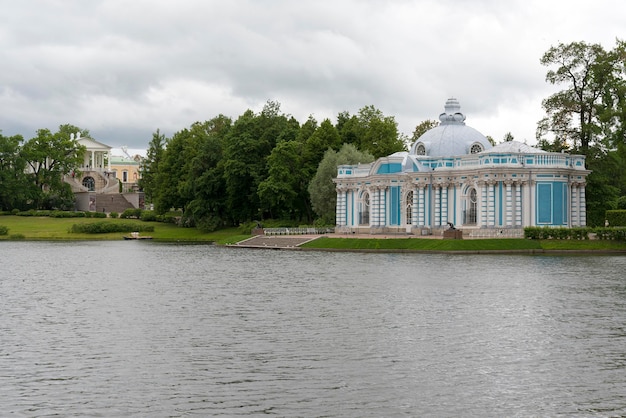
<point>264,241</point>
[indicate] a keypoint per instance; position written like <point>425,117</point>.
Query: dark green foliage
<point>109,227</point>
<point>148,216</point>
<point>4,230</point>
<point>546,233</point>
<point>616,217</point>
<point>131,214</point>
<point>540,232</point>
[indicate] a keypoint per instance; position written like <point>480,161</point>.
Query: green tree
<point>283,194</point>
<point>169,191</point>
<point>150,165</point>
<point>324,137</point>
<point>49,157</point>
<point>422,128</point>
<point>572,114</point>
<point>379,133</point>
<point>322,189</point>
<point>15,188</point>
<point>248,145</point>
<point>207,209</point>
<point>508,137</point>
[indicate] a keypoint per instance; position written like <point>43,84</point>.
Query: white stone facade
<point>453,176</point>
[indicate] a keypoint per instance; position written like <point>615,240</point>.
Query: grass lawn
<point>417,244</point>
<point>45,228</point>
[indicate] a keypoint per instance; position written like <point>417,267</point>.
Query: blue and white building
<point>453,175</point>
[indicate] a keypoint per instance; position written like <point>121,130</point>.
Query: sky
<point>123,69</point>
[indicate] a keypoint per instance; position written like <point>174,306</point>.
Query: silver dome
<point>452,137</point>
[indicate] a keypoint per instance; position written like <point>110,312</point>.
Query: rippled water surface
<point>162,330</point>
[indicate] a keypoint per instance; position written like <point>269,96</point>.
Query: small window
<point>420,150</point>
<point>89,183</point>
<point>476,148</point>
<point>409,208</point>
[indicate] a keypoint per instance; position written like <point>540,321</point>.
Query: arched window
<point>89,183</point>
<point>408,208</point>
<point>476,148</point>
<point>420,150</point>
<point>364,213</point>
<point>470,214</point>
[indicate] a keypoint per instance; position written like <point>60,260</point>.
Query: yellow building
<point>106,183</point>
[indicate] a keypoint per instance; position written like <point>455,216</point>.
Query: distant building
<point>105,183</point>
<point>453,177</point>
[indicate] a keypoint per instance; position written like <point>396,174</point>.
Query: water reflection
<point>149,329</point>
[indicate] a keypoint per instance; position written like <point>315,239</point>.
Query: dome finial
<point>452,113</point>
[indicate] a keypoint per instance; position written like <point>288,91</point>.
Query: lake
<point>140,328</point>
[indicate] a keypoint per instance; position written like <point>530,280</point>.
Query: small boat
<point>135,235</point>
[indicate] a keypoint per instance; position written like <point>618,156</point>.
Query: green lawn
<point>45,228</point>
<point>417,244</point>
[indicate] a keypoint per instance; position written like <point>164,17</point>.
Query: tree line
<point>31,172</point>
<point>267,165</point>
<point>261,165</point>
<point>588,116</point>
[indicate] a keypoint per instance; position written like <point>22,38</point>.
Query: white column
<point>481,205</point>
<point>491,204</point>
<point>341,207</point>
<point>414,207</point>
<point>437,220</point>
<point>582,206</point>
<point>382,207</point>
<point>508,206</point>
<point>421,205</point>
<point>518,204</point>
<point>574,205</point>
<point>532,202</point>
<point>374,207</point>
<point>444,204</point>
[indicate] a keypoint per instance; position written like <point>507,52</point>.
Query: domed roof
<point>452,137</point>
<point>514,147</point>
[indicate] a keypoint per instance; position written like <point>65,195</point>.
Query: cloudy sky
<point>123,69</point>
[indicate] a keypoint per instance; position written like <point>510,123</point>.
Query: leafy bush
<point>66,214</point>
<point>108,227</point>
<point>114,215</point>
<point>582,233</point>
<point>4,230</point>
<point>148,216</point>
<point>131,213</point>
<point>613,234</point>
<point>33,212</point>
<point>616,217</point>
<point>168,218</point>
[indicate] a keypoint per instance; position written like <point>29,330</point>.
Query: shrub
<point>109,227</point>
<point>131,213</point>
<point>114,215</point>
<point>614,234</point>
<point>616,217</point>
<point>17,237</point>
<point>148,216</point>
<point>4,230</point>
<point>168,218</point>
